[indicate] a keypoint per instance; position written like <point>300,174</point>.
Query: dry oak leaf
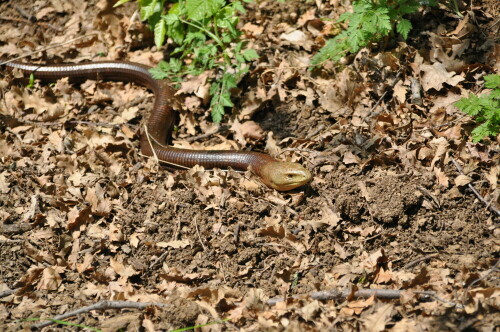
<point>252,29</point>
<point>4,184</point>
<point>247,129</point>
<point>298,38</point>
<point>77,217</point>
<point>462,180</point>
<point>51,278</point>
<point>357,306</point>
<point>176,244</point>
<point>436,74</point>
<point>376,322</point>
<point>197,85</point>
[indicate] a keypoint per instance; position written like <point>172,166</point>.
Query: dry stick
<point>198,232</point>
<point>421,259</point>
<point>443,124</point>
<point>151,145</point>
<point>429,194</point>
<point>42,24</point>
<point>388,294</point>
<point>8,292</point>
<point>493,269</point>
<point>471,187</point>
<point>103,305</point>
<point>158,161</point>
<point>48,48</point>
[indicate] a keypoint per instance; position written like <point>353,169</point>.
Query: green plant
<point>207,38</point>
<point>370,21</point>
<point>484,108</point>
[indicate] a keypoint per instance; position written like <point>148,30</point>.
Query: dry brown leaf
<point>4,184</point>
<point>377,321</point>
<point>356,307</point>
<point>122,322</point>
<point>277,231</point>
<point>51,279</point>
<point>197,85</point>
<point>310,311</point>
<point>492,177</point>
<point>176,244</point>
<point>247,129</point>
<point>77,217</point>
<point>436,74</point>
<point>121,269</point>
<point>86,264</point>
<point>298,38</point>
<point>252,29</point>
<point>462,180</point>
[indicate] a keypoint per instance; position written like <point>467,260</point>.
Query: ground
<point>85,217</point>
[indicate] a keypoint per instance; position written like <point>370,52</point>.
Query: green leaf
<point>147,8</point>
<point>492,81</point>
<point>200,9</point>
<point>171,19</point>
<point>225,99</point>
<point>160,32</point>
<point>250,54</point>
<point>239,7</point>
<point>404,27</point>
<point>120,2</point>
<point>31,81</point>
<point>217,113</point>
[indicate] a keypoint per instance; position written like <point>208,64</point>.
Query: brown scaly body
<point>276,174</point>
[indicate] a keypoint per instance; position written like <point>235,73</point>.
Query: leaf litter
<point>84,217</point>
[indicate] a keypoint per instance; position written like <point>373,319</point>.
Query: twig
<point>151,145</point>
<point>434,296</point>
<point>8,292</point>
<point>15,228</point>
<point>198,232</point>
<point>48,48</point>
<point>388,294</point>
<point>421,259</point>
<point>42,24</point>
<point>103,305</point>
<point>96,124</point>
<point>431,196</point>
<point>471,187</point>
<point>371,114</point>
<point>493,269</point>
<point>25,14</point>
<point>443,124</point>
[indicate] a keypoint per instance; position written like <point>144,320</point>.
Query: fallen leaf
<point>436,74</point>
<point>377,321</point>
<point>462,180</point>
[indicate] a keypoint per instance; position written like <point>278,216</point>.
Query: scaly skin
<point>276,174</point>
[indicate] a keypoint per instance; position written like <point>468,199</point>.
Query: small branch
<point>43,24</point>
<point>421,259</point>
<point>198,232</point>
<point>471,187</point>
<point>8,292</point>
<point>151,145</point>
<point>388,294</point>
<point>47,48</point>
<point>430,195</point>
<point>492,270</point>
<point>103,305</point>
<point>15,228</point>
